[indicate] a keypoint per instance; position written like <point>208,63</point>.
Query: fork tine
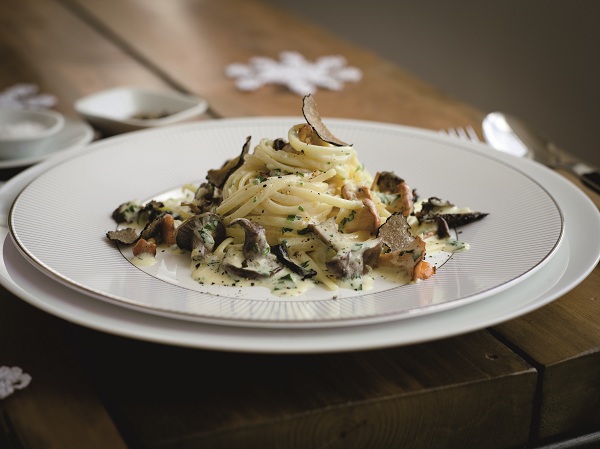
<point>449,132</point>
<point>462,134</point>
<point>466,134</point>
<point>472,134</point>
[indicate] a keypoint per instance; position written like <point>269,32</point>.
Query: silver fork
<point>467,133</point>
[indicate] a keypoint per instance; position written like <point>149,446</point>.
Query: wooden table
<point>527,382</point>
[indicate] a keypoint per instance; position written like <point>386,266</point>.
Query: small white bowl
<point>26,132</point>
<point>125,109</point>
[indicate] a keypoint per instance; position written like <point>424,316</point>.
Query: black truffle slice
<point>311,114</point>
<point>126,236</point>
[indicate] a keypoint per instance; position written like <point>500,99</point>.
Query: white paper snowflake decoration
<point>11,379</point>
<point>295,72</point>
<point>26,95</point>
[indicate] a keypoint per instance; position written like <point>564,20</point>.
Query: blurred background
<point>537,59</point>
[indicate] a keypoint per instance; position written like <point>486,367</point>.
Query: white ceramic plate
<point>74,133</point>
<point>519,236</point>
<point>574,260</point>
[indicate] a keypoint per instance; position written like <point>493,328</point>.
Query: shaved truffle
<point>219,177</point>
<point>435,207</point>
<point>311,114</point>
<point>126,236</point>
<point>395,233</point>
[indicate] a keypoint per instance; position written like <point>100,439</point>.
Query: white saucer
<point>75,133</point>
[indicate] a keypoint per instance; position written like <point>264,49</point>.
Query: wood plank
<point>193,42</point>
<point>563,338</point>
<point>462,392</point>
<point>59,409</point>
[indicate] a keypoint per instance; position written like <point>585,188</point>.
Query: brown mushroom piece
<point>127,212</point>
<point>397,194</point>
<point>206,199</point>
<point>454,217</point>
<point>153,228</point>
<point>443,230</point>
<point>281,145</point>
<point>200,234</point>
<point>219,177</point>
<point>255,260</point>
<point>402,249</point>
<point>365,219</point>
<point>151,210</point>
<point>123,214</point>
<point>352,258</point>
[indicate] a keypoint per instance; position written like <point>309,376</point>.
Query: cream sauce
<point>282,283</point>
<point>143,260</point>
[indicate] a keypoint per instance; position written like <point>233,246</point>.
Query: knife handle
<point>592,180</point>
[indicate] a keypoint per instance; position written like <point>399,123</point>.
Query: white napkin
<point>295,72</point>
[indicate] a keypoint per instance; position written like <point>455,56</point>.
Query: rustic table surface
<point>525,383</point>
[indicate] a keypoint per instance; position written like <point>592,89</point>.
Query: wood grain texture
<point>193,41</point>
<point>59,409</point>
<point>44,43</point>
<point>468,391</point>
<point>563,339</point>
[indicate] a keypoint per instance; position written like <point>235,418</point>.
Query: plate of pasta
<point>276,222</point>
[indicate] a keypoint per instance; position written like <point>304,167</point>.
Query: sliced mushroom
<point>282,145</point>
<point>219,177</point>
<point>410,260</point>
<point>402,196</point>
<point>454,216</point>
<point>282,255</point>
<point>386,182</point>
<point>443,230</point>
<point>153,228</point>
<point>365,219</point>
<point>403,250</point>
<point>157,228</point>
<point>206,199</point>
<point>255,260</point>
<point>200,234</point>
<point>127,212</point>
<point>352,258</point>
<point>350,192</point>
<point>311,114</point>
<point>151,210</point>
<point>145,247</point>
<point>167,231</point>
